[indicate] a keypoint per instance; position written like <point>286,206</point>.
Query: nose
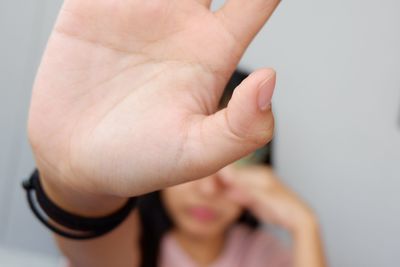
<point>209,186</point>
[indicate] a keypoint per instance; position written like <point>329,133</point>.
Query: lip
<point>202,214</point>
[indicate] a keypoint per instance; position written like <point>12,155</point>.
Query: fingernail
<point>265,93</point>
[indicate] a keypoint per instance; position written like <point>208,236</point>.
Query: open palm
<point>126,96</point>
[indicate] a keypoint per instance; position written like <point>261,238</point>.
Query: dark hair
<point>155,221</point>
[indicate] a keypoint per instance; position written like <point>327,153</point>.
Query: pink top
<point>244,248</point>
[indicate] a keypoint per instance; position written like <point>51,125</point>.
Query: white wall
<point>337,104</point>
<point>24,28</point>
<point>338,114</point>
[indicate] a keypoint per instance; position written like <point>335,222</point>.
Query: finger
<point>238,196</point>
<point>243,179</point>
<point>244,125</point>
<point>244,19</point>
<point>234,188</point>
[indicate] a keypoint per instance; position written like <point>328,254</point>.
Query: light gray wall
<point>24,28</point>
<point>338,113</point>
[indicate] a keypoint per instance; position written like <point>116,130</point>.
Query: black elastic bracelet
<point>87,227</point>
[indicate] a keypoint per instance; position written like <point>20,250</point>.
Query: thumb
<point>243,126</point>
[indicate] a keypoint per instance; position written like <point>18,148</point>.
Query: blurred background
<point>337,107</point>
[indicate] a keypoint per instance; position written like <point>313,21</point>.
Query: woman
<point>203,223</point>
<point>216,221</point>
<point>125,103</point>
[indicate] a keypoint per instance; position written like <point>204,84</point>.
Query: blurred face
<point>199,208</point>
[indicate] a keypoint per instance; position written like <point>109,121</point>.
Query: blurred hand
<point>258,189</point>
<point>125,98</point>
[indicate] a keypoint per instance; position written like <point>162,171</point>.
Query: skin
<point>134,77</point>
<point>225,194</point>
<point>125,102</point>
<point>201,235</point>
<point>182,201</point>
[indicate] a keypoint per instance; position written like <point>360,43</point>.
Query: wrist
<point>77,202</point>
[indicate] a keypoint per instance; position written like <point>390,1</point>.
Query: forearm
<point>100,251</point>
<point>307,245</point>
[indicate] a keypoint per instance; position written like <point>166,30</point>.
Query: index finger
<point>245,18</point>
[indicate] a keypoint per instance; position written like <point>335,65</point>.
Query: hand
<point>125,98</point>
<point>258,189</point>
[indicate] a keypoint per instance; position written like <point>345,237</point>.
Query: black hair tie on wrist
<point>81,227</point>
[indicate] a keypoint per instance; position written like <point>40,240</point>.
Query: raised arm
<point>259,189</point>
<point>125,103</point>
